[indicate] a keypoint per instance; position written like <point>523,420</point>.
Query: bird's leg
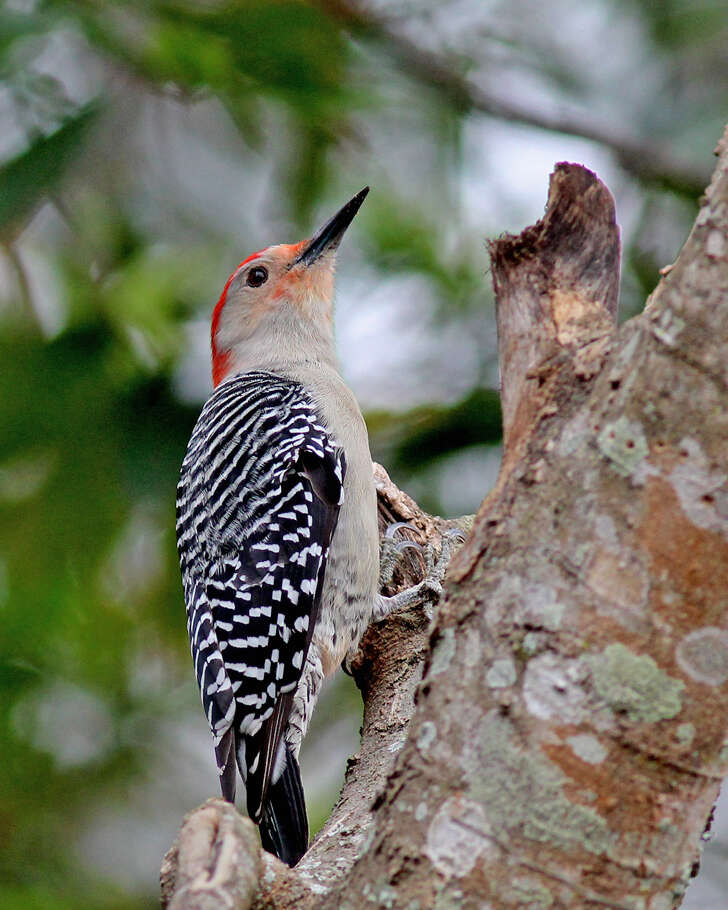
<point>430,588</point>
<point>426,592</point>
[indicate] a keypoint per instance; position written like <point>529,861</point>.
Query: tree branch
<point>214,863</point>
<point>557,289</point>
<point>647,162</point>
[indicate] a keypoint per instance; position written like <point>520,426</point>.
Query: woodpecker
<point>277,525</point>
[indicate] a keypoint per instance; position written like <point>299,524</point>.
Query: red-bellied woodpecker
<point>277,525</point>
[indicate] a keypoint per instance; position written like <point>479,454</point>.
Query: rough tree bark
<point>558,737</point>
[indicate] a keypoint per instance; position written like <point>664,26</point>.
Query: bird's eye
<point>257,276</point>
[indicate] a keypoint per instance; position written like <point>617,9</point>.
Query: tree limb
<point>557,289</point>
<point>647,162</point>
<point>214,863</point>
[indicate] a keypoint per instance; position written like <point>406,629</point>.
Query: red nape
<point>221,359</point>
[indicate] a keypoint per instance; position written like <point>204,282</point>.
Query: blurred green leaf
<point>16,26</point>
<point>412,440</point>
<point>682,23</point>
<point>282,46</point>
<point>78,451</point>
<point>307,171</point>
<point>42,897</point>
<point>30,176</point>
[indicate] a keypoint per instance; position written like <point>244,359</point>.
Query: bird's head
<point>279,297</point>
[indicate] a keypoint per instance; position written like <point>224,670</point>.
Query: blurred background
<point>147,147</point>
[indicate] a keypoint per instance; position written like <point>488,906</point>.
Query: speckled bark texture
<point>557,739</point>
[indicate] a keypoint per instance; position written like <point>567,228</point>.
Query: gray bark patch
<point>456,837</point>
<point>703,655</point>
<point>520,789</point>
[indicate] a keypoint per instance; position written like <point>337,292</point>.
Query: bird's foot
<point>429,589</point>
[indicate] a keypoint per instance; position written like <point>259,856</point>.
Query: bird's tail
<point>284,825</point>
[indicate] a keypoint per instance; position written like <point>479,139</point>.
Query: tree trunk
<point>558,738</point>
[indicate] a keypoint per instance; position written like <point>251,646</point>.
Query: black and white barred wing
<point>257,504</point>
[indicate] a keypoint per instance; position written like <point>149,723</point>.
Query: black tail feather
<point>284,825</point>
<point>225,755</point>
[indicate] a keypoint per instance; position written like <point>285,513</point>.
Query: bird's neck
<point>286,343</point>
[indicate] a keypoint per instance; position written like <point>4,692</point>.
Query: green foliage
<point>41,897</point>
<point>285,47</point>
<point>410,441</point>
<point>684,24</point>
<point>28,179</point>
<point>76,456</point>
<point>15,27</point>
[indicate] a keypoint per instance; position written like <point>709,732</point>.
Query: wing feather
<point>258,501</point>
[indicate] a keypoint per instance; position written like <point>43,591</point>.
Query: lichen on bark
<point>634,685</point>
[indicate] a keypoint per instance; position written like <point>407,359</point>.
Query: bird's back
<point>258,500</point>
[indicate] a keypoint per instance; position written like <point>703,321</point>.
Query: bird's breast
<point>352,570</point>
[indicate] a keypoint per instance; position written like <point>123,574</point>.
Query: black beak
<point>329,236</point>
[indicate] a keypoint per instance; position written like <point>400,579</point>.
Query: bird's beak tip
<point>329,236</point>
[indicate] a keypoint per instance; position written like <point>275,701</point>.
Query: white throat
<point>283,341</point>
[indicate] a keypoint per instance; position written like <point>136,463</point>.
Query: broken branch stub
<point>557,287</point>
<point>214,863</point>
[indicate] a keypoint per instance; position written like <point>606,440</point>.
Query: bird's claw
<point>396,527</point>
<point>392,550</point>
<point>436,566</point>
